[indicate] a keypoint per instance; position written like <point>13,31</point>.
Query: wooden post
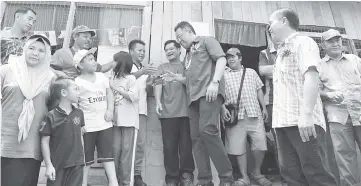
<point>69,25</point>
<point>2,10</point>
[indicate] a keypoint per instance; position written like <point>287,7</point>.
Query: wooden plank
<point>317,13</point>
<point>167,26</point>
<point>246,11</point>
<point>284,4</point>
<point>156,33</point>
<point>186,11</point>
<point>196,11</point>
<point>69,25</point>
<point>227,9</point>
<point>356,14</point>
<point>326,13</point>
<point>305,13</point>
<point>256,11</point>
<point>237,10</point>
<point>336,13</point>
<point>208,15</point>
<point>217,9</point>
<point>270,7</point>
<point>177,16</point>
<point>264,15</point>
<point>347,19</point>
<point>146,29</point>
<point>2,11</point>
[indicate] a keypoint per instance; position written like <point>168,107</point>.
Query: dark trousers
<point>19,171</point>
<point>303,163</point>
<point>206,140</point>
<point>177,147</point>
<point>68,176</point>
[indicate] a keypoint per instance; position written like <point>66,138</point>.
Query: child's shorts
<point>103,140</point>
<point>68,176</point>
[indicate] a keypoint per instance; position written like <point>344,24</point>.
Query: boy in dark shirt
<point>61,132</point>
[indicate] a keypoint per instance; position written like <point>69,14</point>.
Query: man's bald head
<point>290,15</point>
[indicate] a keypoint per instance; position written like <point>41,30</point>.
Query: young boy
<point>61,141</point>
<point>96,99</point>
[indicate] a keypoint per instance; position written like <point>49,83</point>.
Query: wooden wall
<point>321,13</point>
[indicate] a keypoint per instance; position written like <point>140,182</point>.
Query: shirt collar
<point>196,40</point>
<point>230,70</point>
<point>6,32</point>
<point>289,39</point>
<point>62,111</point>
<point>328,58</point>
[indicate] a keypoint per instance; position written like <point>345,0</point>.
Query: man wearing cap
<point>250,117</point>
<point>62,59</point>
<point>297,108</point>
<point>13,39</point>
<point>341,93</point>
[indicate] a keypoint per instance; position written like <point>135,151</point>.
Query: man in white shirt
<point>137,51</point>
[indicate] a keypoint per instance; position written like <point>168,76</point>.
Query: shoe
<point>228,183</point>
<point>186,179</point>
<point>261,180</point>
<point>138,181</point>
<point>206,184</point>
<point>172,183</point>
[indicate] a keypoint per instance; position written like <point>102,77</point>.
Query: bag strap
<point>240,88</point>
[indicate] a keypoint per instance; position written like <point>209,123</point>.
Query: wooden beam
<point>2,10</point>
<point>69,25</point>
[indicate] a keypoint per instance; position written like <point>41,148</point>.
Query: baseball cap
<point>79,55</point>
<point>41,36</point>
<point>330,34</point>
<point>233,51</point>
<point>82,29</point>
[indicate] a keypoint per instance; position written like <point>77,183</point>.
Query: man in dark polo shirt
<point>205,64</point>
<point>171,98</point>
<point>13,39</point>
<point>62,60</point>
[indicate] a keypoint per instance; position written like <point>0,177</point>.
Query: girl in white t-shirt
<point>126,116</point>
<point>96,99</point>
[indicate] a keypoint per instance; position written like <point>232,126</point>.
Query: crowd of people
<point>58,108</point>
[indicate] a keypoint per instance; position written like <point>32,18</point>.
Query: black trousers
<point>19,171</point>
<point>68,176</point>
<point>177,147</point>
<point>304,163</point>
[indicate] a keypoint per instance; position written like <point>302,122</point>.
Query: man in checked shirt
<point>13,39</point>
<point>297,108</point>
<point>341,93</point>
<point>250,118</point>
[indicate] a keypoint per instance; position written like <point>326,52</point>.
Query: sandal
<point>261,180</point>
<point>241,182</point>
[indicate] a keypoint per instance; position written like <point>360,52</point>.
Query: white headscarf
<point>31,81</point>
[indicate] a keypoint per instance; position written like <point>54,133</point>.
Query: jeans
<point>303,163</point>
<point>140,149</point>
<point>177,147</point>
<point>206,140</point>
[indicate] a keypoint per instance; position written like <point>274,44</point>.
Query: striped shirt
<point>251,84</point>
<point>342,75</point>
<point>294,56</point>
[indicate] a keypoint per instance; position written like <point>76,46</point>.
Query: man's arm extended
<point>220,68</point>
<point>265,69</point>
<point>108,66</point>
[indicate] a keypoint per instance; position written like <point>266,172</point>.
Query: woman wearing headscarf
<point>24,84</point>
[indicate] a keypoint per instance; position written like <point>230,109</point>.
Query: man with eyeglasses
<point>205,64</point>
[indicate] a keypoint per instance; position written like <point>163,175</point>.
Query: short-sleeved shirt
<point>174,95</point>
<point>93,102</point>
<point>10,45</point>
<point>142,85</point>
<point>62,60</point>
<point>344,76</point>
<point>267,58</point>
<point>66,149</point>
<point>204,52</point>
<point>126,112</point>
<point>12,105</point>
<point>249,100</point>
<point>294,57</point>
